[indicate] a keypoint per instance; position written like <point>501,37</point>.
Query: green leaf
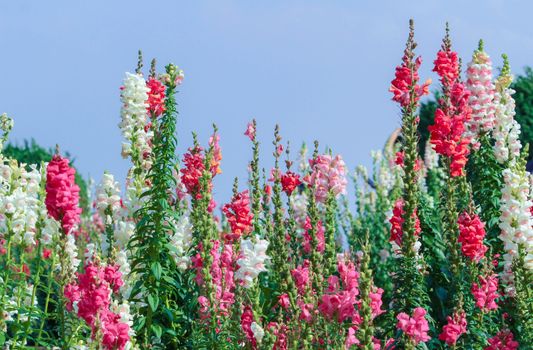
<point>153,301</point>
<point>157,330</point>
<point>156,270</point>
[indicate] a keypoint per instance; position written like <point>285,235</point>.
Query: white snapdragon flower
<point>182,240</point>
<point>258,332</point>
<point>72,252</point>
<point>134,96</point>
<point>515,220</point>
<point>108,195</point>
<point>506,130</point>
<point>252,260</point>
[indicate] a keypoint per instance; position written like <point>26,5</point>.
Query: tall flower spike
<point>62,194</point>
<point>405,87</point>
<point>506,130</point>
<point>482,93</point>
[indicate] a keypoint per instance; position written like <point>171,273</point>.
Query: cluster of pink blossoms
<point>455,327</point>
<point>239,216</point>
<point>406,81</point>
<point>416,327</point>
<point>397,220</point>
<point>62,194</point>
<point>222,271</point>
<point>450,118</point>
<point>156,97</point>
<point>504,340</point>
<point>471,235</point>
<point>301,277</point>
<point>327,174</point>
<point>307,239</point>
<point>486,292</point>
<point>91,297</point>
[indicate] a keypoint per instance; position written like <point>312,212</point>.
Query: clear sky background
<point>321,69</point>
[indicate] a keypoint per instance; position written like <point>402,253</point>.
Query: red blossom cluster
<point>486,292</point>
<point>397,220</point>
<point>447,66</point>
<point>62,194</point>
<point>447,133</point>
<point>289,182</point>
<point>247,318</point>
<point>406,82</point>
<point>92,296</point>
<point>471,235</point>
<point>239,216</point>
<point>455,327</point>
<point>156,97</point>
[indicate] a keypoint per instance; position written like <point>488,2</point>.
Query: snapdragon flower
<point>482,94</point>
<point>181,240</point>
<point>252,261</point>
<point>506,132</point>
<point>134,97</point>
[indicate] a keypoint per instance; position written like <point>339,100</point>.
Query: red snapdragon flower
<point>289,182</point>
<point>239,216</point>
<point>471,235</point>
<point>156,97</point>
<point>446,65</point>
<point>406,81</point>
<point>397,220</point>
<point>62,194</point>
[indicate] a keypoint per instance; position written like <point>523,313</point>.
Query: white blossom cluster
<point>181,240</point>
<point>482,93</point>
<point>252,260</point>
<point>20,206</point>
<point>506,129</point>
<point>108,196</point>
<point>516,220</point>
<point>134,96</point>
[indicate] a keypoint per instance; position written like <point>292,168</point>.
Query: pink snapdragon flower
<point>416,327</point>
<point>486,292</point>
<point>91,294</point>
<point>504,340</point>
<point>327,174</point>
<point>247,318</point>
<point>307,239</point>
<point>250,131</point>
<point>62,194</point>
<point>455,327</point>
<point>301,276</point>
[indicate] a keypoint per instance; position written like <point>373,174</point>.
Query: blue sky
<point>321,69</point>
